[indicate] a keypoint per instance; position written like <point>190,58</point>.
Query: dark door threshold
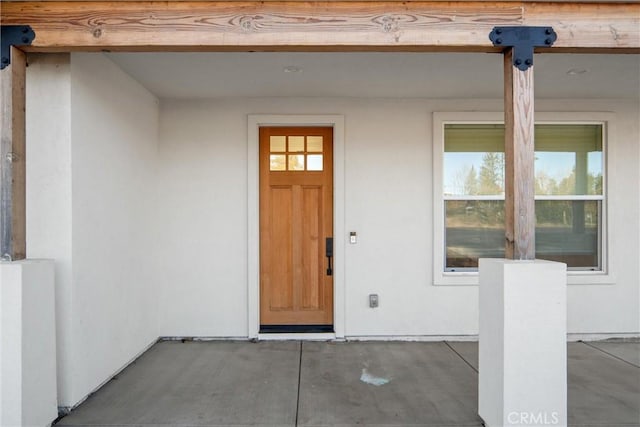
<point>288,329</point>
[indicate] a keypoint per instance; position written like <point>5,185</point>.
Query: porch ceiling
<point>406,75</point>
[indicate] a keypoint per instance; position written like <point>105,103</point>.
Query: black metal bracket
<point>523,40</point>
<point>13,35</point>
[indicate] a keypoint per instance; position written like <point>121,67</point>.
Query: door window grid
<point>295,153</point>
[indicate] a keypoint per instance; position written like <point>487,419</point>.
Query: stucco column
<point>522,349</point>
<point>27,344</point>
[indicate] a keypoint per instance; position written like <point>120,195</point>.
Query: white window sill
<point>573,278</point>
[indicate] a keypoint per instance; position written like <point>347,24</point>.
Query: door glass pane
<point>277,162</point>
<point>567,231</point>
<point>296,144</point>
<point>277,143</point>
<point>314,144</point>
<point>314,162</point>
<point>474,229</point>
<point>296,162</point>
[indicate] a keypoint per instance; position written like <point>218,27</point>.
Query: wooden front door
<point>296,220</point>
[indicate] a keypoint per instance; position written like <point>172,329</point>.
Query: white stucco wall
<point>27,331</point>
<point>92,159</point>
<point>48,116</point>
<point>114,123</point>
<point>143,205</point>
<point>388,177</point>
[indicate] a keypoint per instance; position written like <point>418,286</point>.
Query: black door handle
<point>329,254</point>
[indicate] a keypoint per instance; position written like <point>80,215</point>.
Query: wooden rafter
<point>317,26</point>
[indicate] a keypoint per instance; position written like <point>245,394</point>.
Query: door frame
<point>255,121</point>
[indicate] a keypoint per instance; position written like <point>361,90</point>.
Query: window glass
<point>474,160</point>
<point>567,231</point>
<point>474,229</point>
<point>568,176</point>
<point>568,159</point>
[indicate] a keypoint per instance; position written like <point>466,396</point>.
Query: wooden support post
<point>519,160</point>
<point>12,158</point>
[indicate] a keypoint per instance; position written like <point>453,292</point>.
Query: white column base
<point>522,343</point>
<point>28,395</point>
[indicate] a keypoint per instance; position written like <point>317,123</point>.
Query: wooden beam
<point>520,216</point>
<point>316,26</point>
<point>588,26</point>
<point>450,1</point>
<point>12,158</point>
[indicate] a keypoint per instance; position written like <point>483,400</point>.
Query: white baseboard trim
<point>208,338</point>
<point>602,336</point>
<point>419,338</point>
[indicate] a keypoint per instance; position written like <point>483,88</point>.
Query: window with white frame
<point>569,192</point>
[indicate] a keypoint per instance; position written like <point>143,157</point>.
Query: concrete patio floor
<point>293,383</point>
